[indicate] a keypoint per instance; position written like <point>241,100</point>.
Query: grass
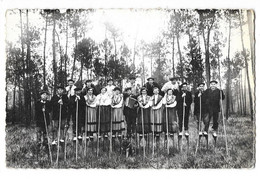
<point>21,151</point>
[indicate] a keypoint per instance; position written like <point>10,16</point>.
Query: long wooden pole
<point>143,132</point>
<point>183,116</point>
<point>167,128</point>
<point>77,107</point>
<point>199,130</point>
<point>47,133</point>
<point>58,150</point>
<point>98,131</point>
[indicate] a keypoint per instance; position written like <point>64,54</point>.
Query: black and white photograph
<point>130,88</point>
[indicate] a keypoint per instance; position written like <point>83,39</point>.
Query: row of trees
<point>47,56</point>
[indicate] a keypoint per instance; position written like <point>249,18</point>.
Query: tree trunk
<point>244,95</point>
<point>28,58</point>
<point>54,54</point>
<point>247,71</point>
<point>14,106</point>
<point>24,76</point>
<point>173,68</point>
<point>75,52</point>
<point>44,49</point>
<point>241,94</point>
<point>180,56</point>
<point>250,22</point>
<point>66,51</point>
<point>228,73</point>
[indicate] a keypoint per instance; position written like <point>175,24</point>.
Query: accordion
<point>131,102</point>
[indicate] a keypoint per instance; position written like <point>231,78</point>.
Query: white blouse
<point>169,101</point>
<point>90,100</point>
<point>103,99</point>
<point>117,101</point>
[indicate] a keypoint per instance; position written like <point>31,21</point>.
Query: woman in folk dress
<point>117,112</point>
<point>156,111</point>
<point>103,102</point>
<point>91,117</point>
<point>144,105</point>
<point>170,103</point>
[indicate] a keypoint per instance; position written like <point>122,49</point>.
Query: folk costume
<point>91,114</point>
<point>103,101</point>
<point>170,103</point>
<point>144,105</point>
<point>117,113</point>
<point>156,113</point>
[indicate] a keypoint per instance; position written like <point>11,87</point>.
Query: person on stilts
<point>201,111</point>
<point>42,113</point>
<point>214,95</point>
<point>157,112</point>
<point>170,113</point>
<point>59,99</point>
<point>103,102</point>
<point>143,114</point>
<point>183,109</point>
<point>117,117</point>
<point>91,115</point>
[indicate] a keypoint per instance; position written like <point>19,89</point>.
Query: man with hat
<point>78,97</point>
<point>135,90</point>
<point>184,94</point>
<point>59,99</point>
<point>172,84</point>
<point>110,87</point>
<point>70,88</point>
<point>88,84</point>
<point>42,106</point>
<point>214,94</point>
<point>150,85</point>
<point>130,110</point>
<point>201,107</point>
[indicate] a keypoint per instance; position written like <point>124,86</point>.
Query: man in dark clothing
<point>42,106</point>
<point>184,94</point>
<point>150,85</point>
<point>214,96</point>
<point>78,97</point>
<point>59,99</point>
<point>88,85</point>
<point>130,111</point>
<point>201,107</point>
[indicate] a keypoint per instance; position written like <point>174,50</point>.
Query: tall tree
<point>247,68</point>
<point>207,19</point>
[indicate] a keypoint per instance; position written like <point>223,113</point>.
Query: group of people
<point>109,110</point>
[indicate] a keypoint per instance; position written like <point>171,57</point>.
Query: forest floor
<point>21,151</point>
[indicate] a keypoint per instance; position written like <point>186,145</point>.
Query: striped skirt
<point>146,120</point>
<point>91,118</point>
<point>104,112</point>
<point>117,120</point>
<point>156,120</point>
<point>172,120</point>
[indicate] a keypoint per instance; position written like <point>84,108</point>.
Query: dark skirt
<point>105,118</point>
<point>172,120</point>
<point>117,120</point>
<point>157,120</point>
<point>91,118</point>
<point>146,120</point>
